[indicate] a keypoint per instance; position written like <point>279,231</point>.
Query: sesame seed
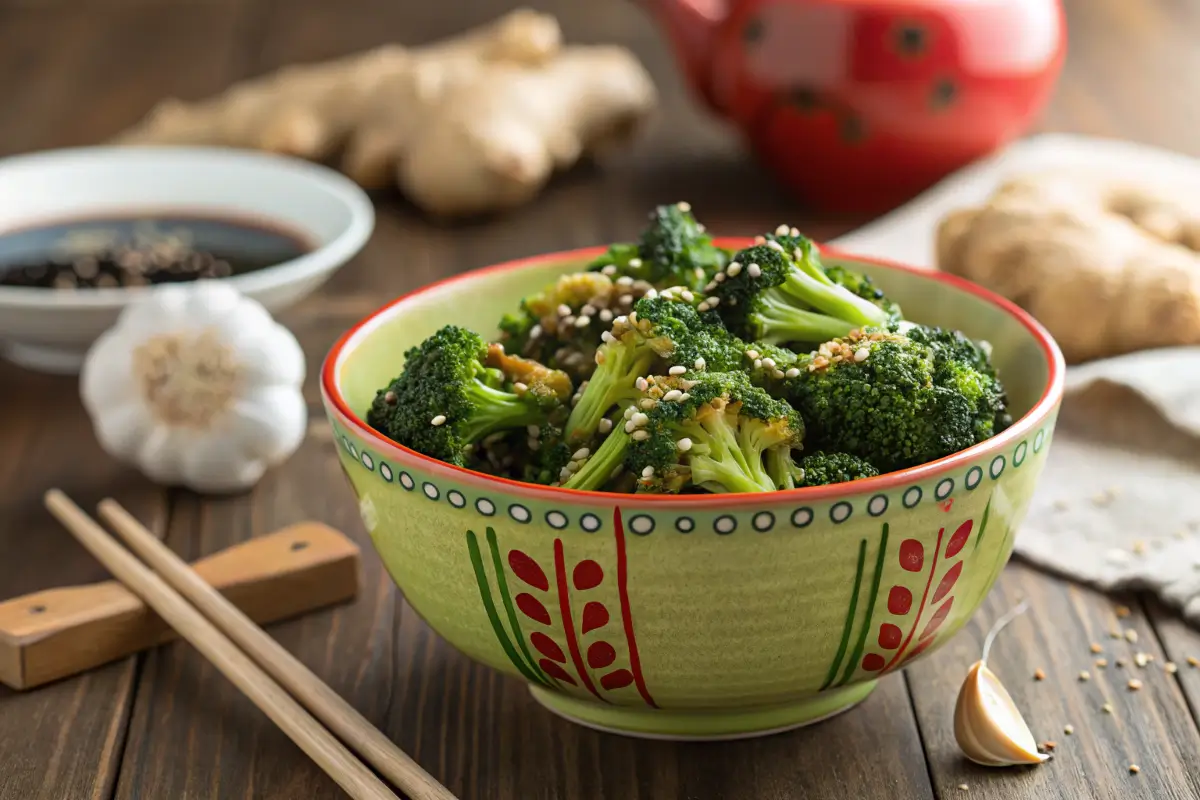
<point>573,465</point>
<point>792,373</point>
<point>686,384</point>
<point>639,419</point>
<point>1096,648</point>
<point>753,355</point>
<point>678,369</point>
<point>640,435</point>
<point>687,296</point>
<point>625,280</point>
<point>605,425</point>
<point>390,398</point>
<point>684,206</point>
<point>769,363</point>
<point>1134,769</point>
<point>684,397</point>
<point>672,395</point>
<point>1140,659</point>
<point>588,309</point>
<point>759,239</point>
<point>1101,662</point>
<point>754,270</point>
<point>794,232</point>
<point>778,375</point>
<point>648,471</point>
<point>533,444</point>
<point>534,431</point>
<point>1170,667</point>
<point>683,445</point>
<point>625,300</point>
<point>641,384</point>
<point>964,787</point>
<point>583,322</point>
<point>648,403</point>
<point>1039,675</point>
<point>520,387</point>
<point>1049,745</point>
<point>860,355</point>
<point>1120,662</point>
<point>1068,729</point>
<point>564,474</point>
<point>719,277</point>
<point>1131,635</point>
<point>440,419</point>
<point>564,310</point>
<point>651,293</point>
<point>774,245</point>
<point>1107,708</point>
<point>535,331</point>
<point>782,230</point>
<point>1084,675</point>
<point>600,357</point>
<point>758,362</point>
<point>1193,661</point>
<point>630,427</point>
<point>699,363</point>
<point>1134,685</point>
<point>609,270</point>
<point>733,269</point>
<point>607,337</point>
<point>581,454</point>
<point>629,412</point>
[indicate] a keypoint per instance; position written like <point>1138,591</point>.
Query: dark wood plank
<point>1152,728</point>
<point>63,740</point>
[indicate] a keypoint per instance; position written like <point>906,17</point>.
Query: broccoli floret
<point>770,366</point>
<point>561,325</point>
<point>455,390</point>
<point>673,250</point>
<point>873,394</point>
<point>779,293</point>
<point>962,364</point>
<point>660,332</point>
<point>865,287</point>
<point>710,431</point>
<point>820,469</point>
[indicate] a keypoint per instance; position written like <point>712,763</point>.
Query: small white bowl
<point>50,330</point>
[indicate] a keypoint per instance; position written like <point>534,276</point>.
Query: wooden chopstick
<point>320,745</point>
<point>326,704</point>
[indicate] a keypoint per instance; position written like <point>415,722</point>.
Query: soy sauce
<point>142,250</point>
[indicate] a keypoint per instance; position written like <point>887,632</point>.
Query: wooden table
<point>166,725</point>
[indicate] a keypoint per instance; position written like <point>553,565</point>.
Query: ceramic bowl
<point>51,330</point>
<point>702,616</point>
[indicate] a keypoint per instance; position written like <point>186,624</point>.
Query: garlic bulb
<point>989,728</point>
<point>197,386</point>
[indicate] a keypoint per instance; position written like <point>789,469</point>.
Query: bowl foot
<point>714,725</point>
<point>53,360</point>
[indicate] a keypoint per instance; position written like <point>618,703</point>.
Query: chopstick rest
<point>320,745</point>
<point>58,632</point>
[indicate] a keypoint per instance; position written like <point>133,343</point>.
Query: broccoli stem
<point>598,469</point>
<point>611,383</point>
<point>782,322</point>
<point>832,299</point>
<point>717,461</point>
<point>782,469</point>
<point>495,409</point>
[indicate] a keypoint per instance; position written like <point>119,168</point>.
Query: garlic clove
<point>989,728</point>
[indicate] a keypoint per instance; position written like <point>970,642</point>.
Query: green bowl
<point>702,616</point>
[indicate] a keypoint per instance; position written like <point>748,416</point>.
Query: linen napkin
<point>1118,505</point>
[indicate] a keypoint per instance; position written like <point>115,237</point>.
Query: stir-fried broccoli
<point>879,395</point>
<point>709,430</point>
<point>779,293</point>
<point>670,365</point>
<point>673,250</point>
<point>820,469</point>
<point>456,389</point>
<point>661,332</point>
<point>561,326</point>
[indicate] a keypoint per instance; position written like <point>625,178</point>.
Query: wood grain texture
<point>177,729</point>
<point>1152,727</point>
<point>53,633</point>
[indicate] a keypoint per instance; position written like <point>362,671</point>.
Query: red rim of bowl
<point>1049,399</point>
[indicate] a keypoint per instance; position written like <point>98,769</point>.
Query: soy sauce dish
<point>84,231</point>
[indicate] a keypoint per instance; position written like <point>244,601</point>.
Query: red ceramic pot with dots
<point>859,104</point>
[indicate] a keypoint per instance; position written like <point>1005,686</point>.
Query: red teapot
<point>859,104</point>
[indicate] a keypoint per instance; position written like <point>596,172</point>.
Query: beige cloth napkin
<point>1118,505</point>
<point>1119,502</point>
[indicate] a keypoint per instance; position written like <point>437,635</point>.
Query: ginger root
<point>471,124</point>
<point>1109,267</point>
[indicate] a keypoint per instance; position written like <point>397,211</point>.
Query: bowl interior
<point>374,353</point>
